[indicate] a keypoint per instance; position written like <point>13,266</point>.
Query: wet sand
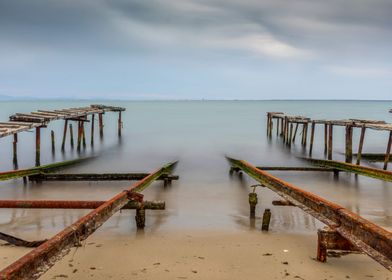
<point>207,254</point>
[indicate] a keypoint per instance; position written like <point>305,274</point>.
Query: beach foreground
<point>204,254</point>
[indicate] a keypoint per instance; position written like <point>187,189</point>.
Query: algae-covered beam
<point>76,204</point>
<point>357,169</point>
<point>364,235</point>
<point>372,157</point>
<point>39,260</point>
<point>296,168</point>
<point>97,177</point>
<point>13,174</point>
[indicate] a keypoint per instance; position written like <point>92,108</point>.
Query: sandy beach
<point>207,254</point>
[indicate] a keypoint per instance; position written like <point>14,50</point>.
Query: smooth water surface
<point>198,134</point>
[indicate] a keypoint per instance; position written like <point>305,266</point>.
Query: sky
<point>196,49</point>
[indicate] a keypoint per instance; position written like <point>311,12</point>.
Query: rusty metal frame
<point>364,235</point>
<point>38,261</point>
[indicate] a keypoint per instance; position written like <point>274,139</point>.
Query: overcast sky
<point>189,49</point>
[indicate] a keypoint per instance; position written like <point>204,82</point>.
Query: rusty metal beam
<point>364,235</point>
<point>357,169</point>
<point>96,177</point>
<point>39,260</point>
<point>76,204</point>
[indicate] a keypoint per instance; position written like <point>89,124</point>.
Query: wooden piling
<point>52,139</point>
<point>100,119</point>
<point>295,131</point>
<point>38,146</point>
<point>83,135</point>
<point>120,124</point>
<point>388,152</point>
<point>64,135</point>
<point>71,135</point>
<point>360,146</point>
<point>303,133</point>
<point>92,129</point>
<point>79,136</point>
<point>290,134</point>
<point>330,140</point>
<point>268,124</point>
<point>15,151</point>
<point>252,204</point>
<point>281,127</point>
<point>306,134</point>
<point>349,143</point>
<point>325,138</point>
<point>266,220</point>
<point>312,138</point>
<point>277,127</point>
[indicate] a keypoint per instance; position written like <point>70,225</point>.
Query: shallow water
<point>198,134</point>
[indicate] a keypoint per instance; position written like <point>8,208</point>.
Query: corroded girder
<point>76,204</point>
<point>357,169</point>
<point>39,260</point>
<point>6,175</point>
<point>96,177</point>
<point>364,235</point>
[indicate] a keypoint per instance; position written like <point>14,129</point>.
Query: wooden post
<point>349,143</point>
<point>38,146</point>
<point>295,131</point>
<point>268,124</point>
<point>92,129</point>
<point>388,152</point>
<point>71,135</point>
<point>83,135</point>
<point>312,138</point>
<point>360,146</point>
<point>52,141</point>
<point>15,151</point>
<point>281,127</point>
<point>79,136</point>
<point>266,220</point>
<point>325,138</point>
<point>120,124</point>
<point>252,204</point>
<point>140,218</point>
<point>306,134</point>
<point>330,141</point>
<point>303,133</point>
<point>291,134</point>
<point>64,135</point>
<point>277,127</point>
<point>100,118</point>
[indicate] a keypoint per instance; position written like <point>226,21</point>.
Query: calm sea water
<point>198,134</point>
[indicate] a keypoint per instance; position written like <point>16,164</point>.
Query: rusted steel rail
<point>76,204</point>
<point>357,169</point>
<point>364,235</point>
<point>6,175</point>
<point>39,260</point>
<point>97,177</point>
<point>296,168</point>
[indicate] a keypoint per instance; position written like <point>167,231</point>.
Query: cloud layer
<point>197,49</point>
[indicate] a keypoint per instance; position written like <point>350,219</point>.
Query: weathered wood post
<point>349,143</point>
<point>268,124</point>
<point>83,135</point>
<point>290,134</point>
<point>360,146</point>
<point>306,134</point>
<point>295,131</point>
<point>286,129</point>
<point>15,151</point>
<point>38,146</point>
<point>52,141</point>
<point>303,133</point>
<point>120,124</point>
<point>330,140</point>
<point>388,152</point>
<point>140,218</point>
<point>92,129</point>
<point>277,127</point>
<point>252,204</point>
<point>79,136</point>
<point>312,138</point>
<point>266,220</point>
<point>100,119</point>
<point>281,127</point>
<point>71,139</point>
<point>64,135</point>
<point>325,138</point>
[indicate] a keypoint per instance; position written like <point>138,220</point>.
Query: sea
<point>197,134</point>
